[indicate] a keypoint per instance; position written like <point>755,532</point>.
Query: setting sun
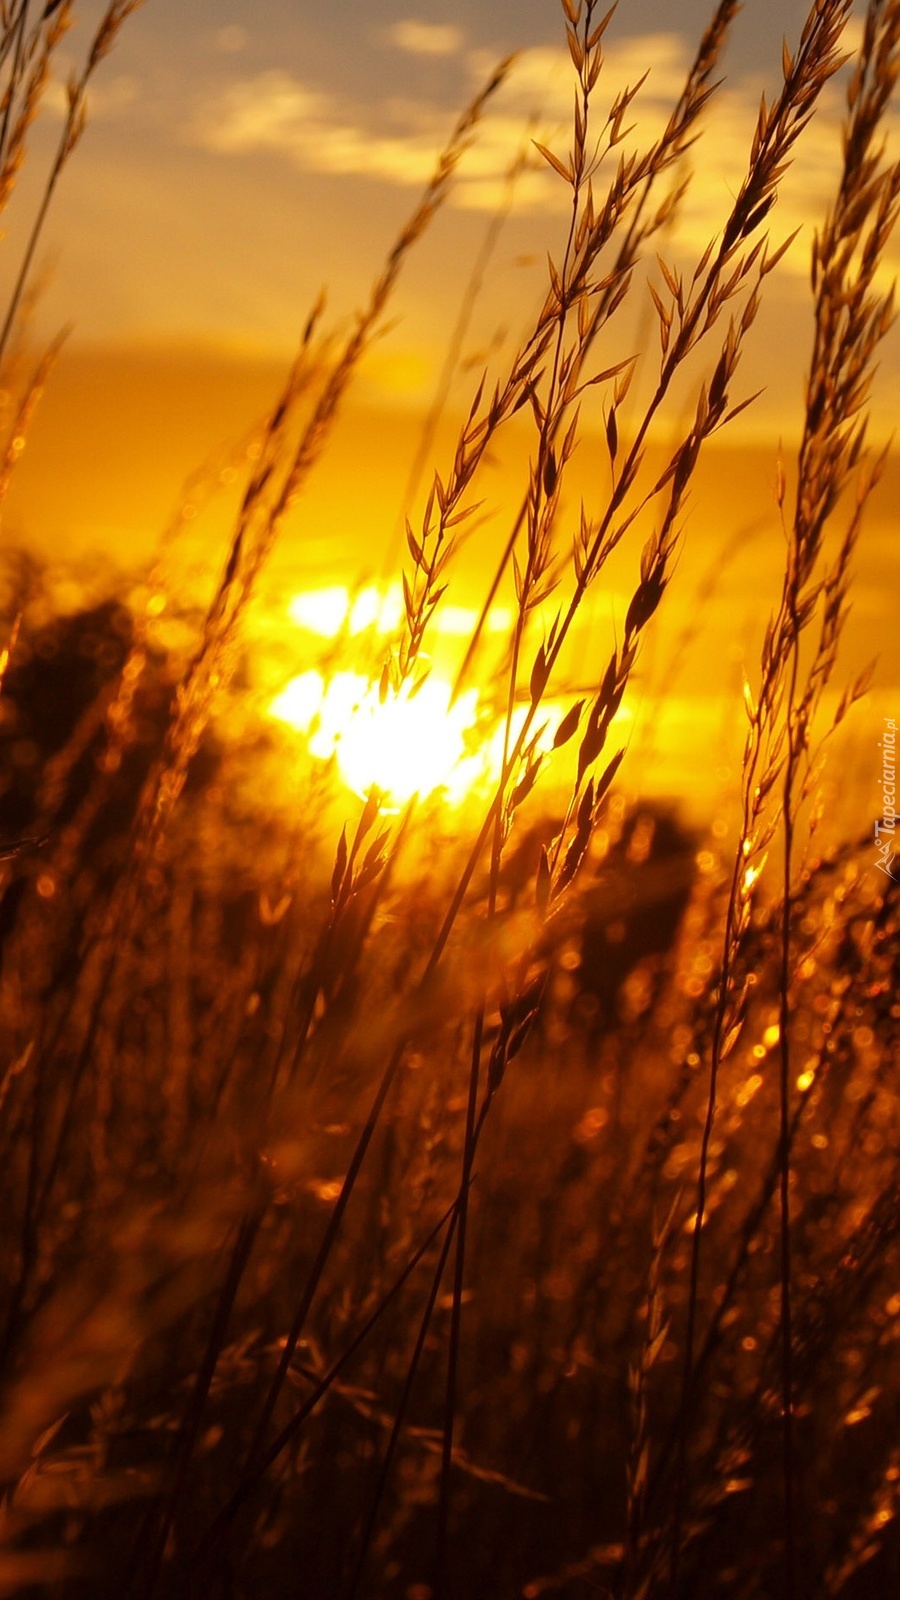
<point>409,744</point>
<point>418,740</point>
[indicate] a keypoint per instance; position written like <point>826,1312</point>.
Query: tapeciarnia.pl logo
<point>885,828</point>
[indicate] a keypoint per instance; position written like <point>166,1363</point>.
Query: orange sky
<point>156,419</point>
<point>236,163</point>
<point>239,158</point>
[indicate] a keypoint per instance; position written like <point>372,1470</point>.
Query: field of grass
<point>435,1189</point>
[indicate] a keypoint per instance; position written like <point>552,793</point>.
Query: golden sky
<point>240,157</point>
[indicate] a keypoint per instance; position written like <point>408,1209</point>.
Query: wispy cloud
<point>418,38</point>
<point>542,80</point>
<point>395,139</point>
<point>277,112</point>
<point>107,99</point>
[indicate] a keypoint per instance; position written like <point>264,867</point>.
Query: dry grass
<point>374,1219</point>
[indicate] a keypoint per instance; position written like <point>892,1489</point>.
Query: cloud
<point>106,100</point>
<point>276,112</point>
<point>426,38</point>
<point>396,140</point>
<point>541,83</point>
<point>271,111</point>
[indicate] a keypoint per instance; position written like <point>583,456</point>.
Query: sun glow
<point>410,743</point>
<point>335,609</point>
<point>415,740</point>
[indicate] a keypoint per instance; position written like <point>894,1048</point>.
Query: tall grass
<point>363,1232</point>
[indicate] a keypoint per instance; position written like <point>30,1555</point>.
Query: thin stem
<point>17,30</point>
<point>250,1480</point>
<point>456,1221</point>
<point>462,1216</point>
<point>787,1346</point>
<point>145,1567</point>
